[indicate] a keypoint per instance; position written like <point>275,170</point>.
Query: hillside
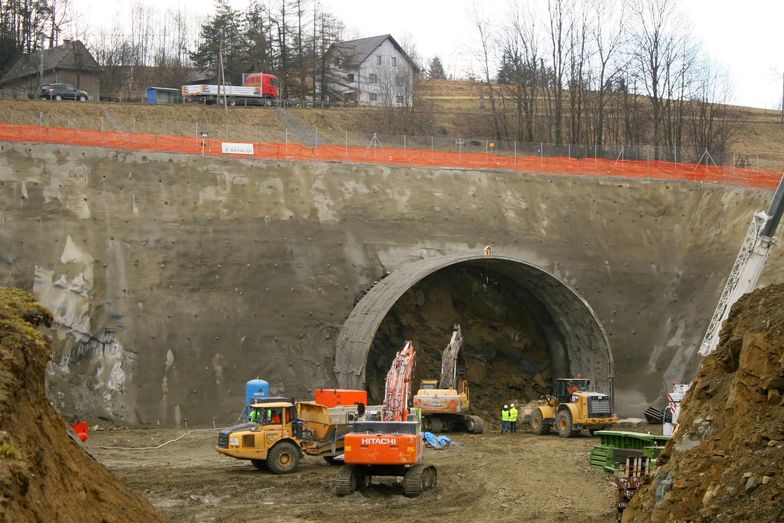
<point>448,110</point>
<point>44,475</point>
<point>725,460</point>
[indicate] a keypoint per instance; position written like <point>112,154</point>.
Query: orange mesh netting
<point>660,170</point>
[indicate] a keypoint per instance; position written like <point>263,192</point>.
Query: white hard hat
<point>513,404</point>
<point>506,406</point>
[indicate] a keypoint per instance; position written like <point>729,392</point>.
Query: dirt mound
<point>44,474</point>
<point>726,461</point>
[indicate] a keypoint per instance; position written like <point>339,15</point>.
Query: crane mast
<point>748,266</point>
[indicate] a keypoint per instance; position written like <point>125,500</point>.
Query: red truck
<point>256,89</point>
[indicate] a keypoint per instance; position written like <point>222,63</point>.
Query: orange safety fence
<point>659,170</point>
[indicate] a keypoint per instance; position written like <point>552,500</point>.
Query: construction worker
<point>505,419</point>
<point>254,415</point>
<point>513,418</point>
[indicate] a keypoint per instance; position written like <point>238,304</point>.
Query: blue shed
<point>163,95</point>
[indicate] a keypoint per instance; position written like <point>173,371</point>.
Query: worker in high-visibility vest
<point>505,419</point>
<point>513,418</point>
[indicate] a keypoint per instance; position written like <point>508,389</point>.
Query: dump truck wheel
<point>474,424</point>
<point>348,479</point>
<point>260,464</point>
<point>436,425</point>
<point>563,422</point>
<point>538,426</point>
<point>283,458</point>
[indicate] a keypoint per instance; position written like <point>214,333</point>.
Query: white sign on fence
<point>236,148</point>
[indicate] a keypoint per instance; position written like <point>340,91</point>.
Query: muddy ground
<point>488,477</point>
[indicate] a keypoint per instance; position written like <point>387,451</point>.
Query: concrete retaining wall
<point>175,279</point>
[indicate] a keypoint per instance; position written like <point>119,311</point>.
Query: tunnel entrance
<point>522,327</point>
<point>505,354</point>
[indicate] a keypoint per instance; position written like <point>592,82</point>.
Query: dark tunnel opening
<point>522,327</point>
<point>505,354</point>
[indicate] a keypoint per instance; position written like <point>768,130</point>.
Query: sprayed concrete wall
<point>174,279</point>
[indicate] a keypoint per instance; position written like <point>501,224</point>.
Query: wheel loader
<point>572,409</point>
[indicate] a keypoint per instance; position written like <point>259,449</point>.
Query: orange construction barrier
<point>657,170</point>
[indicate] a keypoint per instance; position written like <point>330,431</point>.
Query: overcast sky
<point>746,37</point>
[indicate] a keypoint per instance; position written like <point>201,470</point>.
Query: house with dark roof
<point>372,71</point>
<point>69,63</point>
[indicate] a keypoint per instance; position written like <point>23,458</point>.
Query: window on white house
<point>394,61</point>
<point>373,78</point>
<point>373,97</point>
<point>378,59</point>
<point>400,99</point>
<point>350,77</point>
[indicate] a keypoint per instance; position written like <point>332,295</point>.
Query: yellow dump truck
<point>572,409</point>
<point>283,430</point>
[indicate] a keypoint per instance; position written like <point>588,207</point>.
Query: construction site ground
<point>497,477</point>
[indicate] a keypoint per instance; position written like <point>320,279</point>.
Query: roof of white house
<point>353,52</point>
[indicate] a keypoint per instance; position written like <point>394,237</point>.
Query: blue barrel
<point>256,388</point>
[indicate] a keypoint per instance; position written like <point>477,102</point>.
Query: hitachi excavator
<point>445,404</point>
<point>391,444</point>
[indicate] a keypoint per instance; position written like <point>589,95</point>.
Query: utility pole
<point>222,75</point>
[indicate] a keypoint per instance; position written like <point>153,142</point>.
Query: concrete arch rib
<point>577,342</point>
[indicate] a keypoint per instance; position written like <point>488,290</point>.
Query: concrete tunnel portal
<point>522,328</point>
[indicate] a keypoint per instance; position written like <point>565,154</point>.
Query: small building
<point>69,63</point>
<point>163,95</point>
<point>373,71</point>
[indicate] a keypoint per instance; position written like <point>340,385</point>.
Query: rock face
<point>174,279</point>
<point>726,460</point>
<point>44,474</point>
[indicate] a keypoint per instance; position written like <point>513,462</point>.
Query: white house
<point>371,71</point>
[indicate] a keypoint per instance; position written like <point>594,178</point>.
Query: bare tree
<point>485,52</point>
<point>657,47</point>
<point>560,28</point>
<point>609,36</point>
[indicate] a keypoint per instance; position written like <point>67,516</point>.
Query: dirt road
<point>489,477</point>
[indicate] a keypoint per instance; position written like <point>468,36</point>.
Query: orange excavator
<point>388,443</point>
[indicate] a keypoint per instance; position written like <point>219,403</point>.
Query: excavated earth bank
<point>726,461</point>
<point>44,474</point>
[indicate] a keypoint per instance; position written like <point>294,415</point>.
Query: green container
<point>630,440</point>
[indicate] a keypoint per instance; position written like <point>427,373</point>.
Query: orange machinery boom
<point>391,446</point>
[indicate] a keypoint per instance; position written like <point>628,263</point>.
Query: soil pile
<point>44,474</point>
<point>726,460</point>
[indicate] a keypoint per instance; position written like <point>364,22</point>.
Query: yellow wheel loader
<point>572,409</point>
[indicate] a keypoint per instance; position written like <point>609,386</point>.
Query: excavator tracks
<point>348,479</point>
<point>418,479</point>
<point>475,424</point>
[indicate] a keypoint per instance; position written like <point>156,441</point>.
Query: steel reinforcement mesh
<point>652,169</point>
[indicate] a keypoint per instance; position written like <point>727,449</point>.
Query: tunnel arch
<point>576,340</point>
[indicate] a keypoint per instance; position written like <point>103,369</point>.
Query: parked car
<point>60,91</point>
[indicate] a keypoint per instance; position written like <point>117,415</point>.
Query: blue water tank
<point>256,388</point>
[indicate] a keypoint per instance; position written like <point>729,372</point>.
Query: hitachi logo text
<point>379,441</point>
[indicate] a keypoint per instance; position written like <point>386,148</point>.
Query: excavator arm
<point>449,360</point>
<point>398,384</point>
